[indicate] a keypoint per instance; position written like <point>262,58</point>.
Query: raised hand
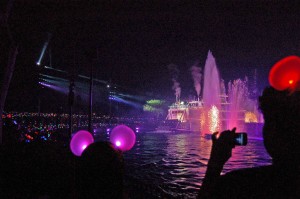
<point>222,147</point>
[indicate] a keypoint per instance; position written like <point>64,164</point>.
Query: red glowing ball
<point>285,73</point>
<point>80,141</point>
<point>122,137</point>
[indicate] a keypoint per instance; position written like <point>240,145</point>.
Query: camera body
<point>240,139</point>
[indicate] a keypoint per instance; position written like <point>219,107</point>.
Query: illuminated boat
<point>167,126</point>
<point>187,115</point>
<point>193,117</point>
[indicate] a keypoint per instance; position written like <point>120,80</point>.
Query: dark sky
<point>137,40</point>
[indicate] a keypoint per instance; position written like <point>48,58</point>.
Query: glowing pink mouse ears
<point>285,74</point>
<point>80,141</point>
<point>122,137</point>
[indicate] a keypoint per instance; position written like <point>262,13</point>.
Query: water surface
<point>176,162</point>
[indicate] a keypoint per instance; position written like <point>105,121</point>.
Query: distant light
<point>250,117</point>
<point>84,146</point>
<point>42,53</point>
<point>108,86</point>
<point>181,102</point>
<point>155,102</point>
<point>291,81</point>
<point>118,143</point>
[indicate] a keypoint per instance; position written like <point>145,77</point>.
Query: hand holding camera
<point>222,146</point>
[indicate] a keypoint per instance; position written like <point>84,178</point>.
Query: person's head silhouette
<point>281,132</point>
<point>101,171</point>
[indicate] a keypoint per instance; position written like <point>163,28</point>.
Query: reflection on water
<point>176,162</point>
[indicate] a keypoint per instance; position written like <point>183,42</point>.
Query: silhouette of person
<point>281,133</point>
<point>101,172</point>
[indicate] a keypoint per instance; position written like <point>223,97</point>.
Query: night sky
<point>131,44</point>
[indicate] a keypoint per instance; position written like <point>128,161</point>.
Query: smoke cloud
<point>174,72</point>
<point>197,77</point>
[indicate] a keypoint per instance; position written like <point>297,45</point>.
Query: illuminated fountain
<point>218,110</point>
<point>211,96</point>
<point>225,111</point>
<point>242,112</point>
<point>238,99</point>
<point>201,115</point>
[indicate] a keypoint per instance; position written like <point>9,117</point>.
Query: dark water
<point>176,162</point>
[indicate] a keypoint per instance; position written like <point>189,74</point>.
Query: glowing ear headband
<point>285,74</point>
<point>80,141</point>
<point>121,136</point>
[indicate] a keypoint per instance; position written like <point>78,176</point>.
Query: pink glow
<point>118,143</point>
<point>80,141</point>
<point>123,137</point>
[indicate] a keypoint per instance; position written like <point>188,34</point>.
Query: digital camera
<point>240,139</point>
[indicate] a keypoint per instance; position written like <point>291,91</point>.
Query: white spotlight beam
<point>43,50</point>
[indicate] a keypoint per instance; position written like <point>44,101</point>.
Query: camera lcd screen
<point>241,139</point>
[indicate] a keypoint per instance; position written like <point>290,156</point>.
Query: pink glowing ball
<point>80,141</point>
<point>122,137</point>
